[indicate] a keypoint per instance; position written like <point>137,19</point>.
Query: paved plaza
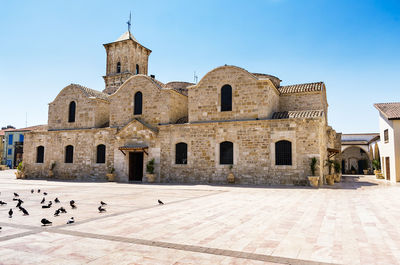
<point>355,222</point>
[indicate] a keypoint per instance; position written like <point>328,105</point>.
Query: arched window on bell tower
<point>137,69</point>
<point>119,67</point>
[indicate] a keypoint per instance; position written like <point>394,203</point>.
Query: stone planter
<point>230,178</point>
<point>365,171</point>
<point>19,174</point>
<point>110,176</point>
<point>314,181</point>
<point>337,177</point>
<point>330,180</point>
<point>150,178</point>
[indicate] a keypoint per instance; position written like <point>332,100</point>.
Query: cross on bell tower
<point>129,22</point>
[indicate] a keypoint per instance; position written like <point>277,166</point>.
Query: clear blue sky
<point>353,46</point>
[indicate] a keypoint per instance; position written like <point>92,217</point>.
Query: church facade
<point>231,121</point>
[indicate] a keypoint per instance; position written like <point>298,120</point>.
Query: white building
<point>389,128</point>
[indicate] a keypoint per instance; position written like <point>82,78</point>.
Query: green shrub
<point>313,165</point>
<point>150,166</point>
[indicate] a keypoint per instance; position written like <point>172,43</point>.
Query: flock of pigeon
<point>57,212</point>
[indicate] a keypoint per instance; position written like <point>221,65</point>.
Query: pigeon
<point>10,213</point>
<point>44,193</point>
<point>38,191</point>
<point>160,202</point>
<point>62,210</point>
<point>32,191</point>
<point>43,200</point>
<point>23,210</point>
<point>103,203</point>
<point>2,203</point>
<point>72,203</point>
<point>47,206</point>
<point>71,221</point>
<point>101,210</point>
<point>45,222</point>
<point>57,212</point>
<point>15,199</point>
<point>16,194</point>
<point>19,203</point>
<point>56,200</point>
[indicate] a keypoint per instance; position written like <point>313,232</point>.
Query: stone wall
<point>254,151</point>
<point>84,164</point>
<point>302,101</point>
<point>251,98</point>
<point>89,112</point>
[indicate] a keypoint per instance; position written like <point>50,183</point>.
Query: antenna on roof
<point>195,77</point>
<point>129,22</point>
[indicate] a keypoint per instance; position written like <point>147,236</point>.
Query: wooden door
<point>387,162</point>
<point>136,166</point>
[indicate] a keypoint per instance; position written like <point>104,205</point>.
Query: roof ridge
<point>92,92</point>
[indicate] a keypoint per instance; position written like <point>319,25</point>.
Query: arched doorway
<point>354,160</point>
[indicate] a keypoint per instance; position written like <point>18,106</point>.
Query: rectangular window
<point>21,137</point>
<point>386,135</point>
<point>9,151</point>
<point>10,139</point>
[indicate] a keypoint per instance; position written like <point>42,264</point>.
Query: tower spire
<point>129,22</point>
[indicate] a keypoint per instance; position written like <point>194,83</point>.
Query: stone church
<point>232,120</point>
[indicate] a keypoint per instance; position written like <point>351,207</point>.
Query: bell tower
<point>125,57</point>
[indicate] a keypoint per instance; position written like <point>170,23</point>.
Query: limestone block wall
<point>177,105</point>
<point>251,98</point>
<point>254,151</point>
<point>302,101</point>
<point>86,115</point>
<point>84,164</point>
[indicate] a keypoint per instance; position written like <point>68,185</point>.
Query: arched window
<point>69,154</point>
<point>283,153</point>
<point>226,98</point>
<point>39,154</point>
<point>181,153</point>
<point>101,154</point>
<point>71,112</point>
<point>137,69</point>
<point>226,153</point>
<point>137,103</point>
<point>118,67</point>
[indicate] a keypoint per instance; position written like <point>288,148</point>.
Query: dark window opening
<point>283,153</point>
<point>69,154</point>
<point>226,153</point>
<point>101,154</point>
<point>137,69</point>
<point>39,154</point>
<point>72,110</point>
<point>386,135</point>
<point>226,98</point>
<point>137,104</point>
<point>118,67</point>
<point>181,153</point>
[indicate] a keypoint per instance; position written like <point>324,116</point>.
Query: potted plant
<point>376,165</point>
<point>313,179</point>
<point>52,166</point>
<point>231,177</point>
<point>111,174</point>
<point>337,167</point>
<point>330,179</point>
<point>150,171</point>
<point>353,170</point>
<point>20,171</point>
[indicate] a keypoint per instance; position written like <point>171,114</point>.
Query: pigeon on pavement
<point>47,206</point>
<point>23,210</point>
<point>43,200</point>
<point>38,191</point>
<point>2,203</point>
<point>44,193</point>
<point>160,202</point>
<point>32,191</point>
<point>45,222</point>
<point>56,200</point>
<point>10,213</point>
<point>16,194</point>
<point>19,203</point>
<point>103,203</point>
<point>72,203</point>
<point>71,221</point>
<point>101,209</point>
<point>57,212</point>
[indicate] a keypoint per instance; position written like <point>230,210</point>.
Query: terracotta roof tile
<point>302,114</point>
<point>301,88</point>
<point>93,93</point>
<point>390,110</point>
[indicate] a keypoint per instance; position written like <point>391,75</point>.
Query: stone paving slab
<point>355,222</point>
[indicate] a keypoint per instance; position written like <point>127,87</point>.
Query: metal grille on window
<point>283,153</point>
<point>181,153</point>
<point>226,153</point>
